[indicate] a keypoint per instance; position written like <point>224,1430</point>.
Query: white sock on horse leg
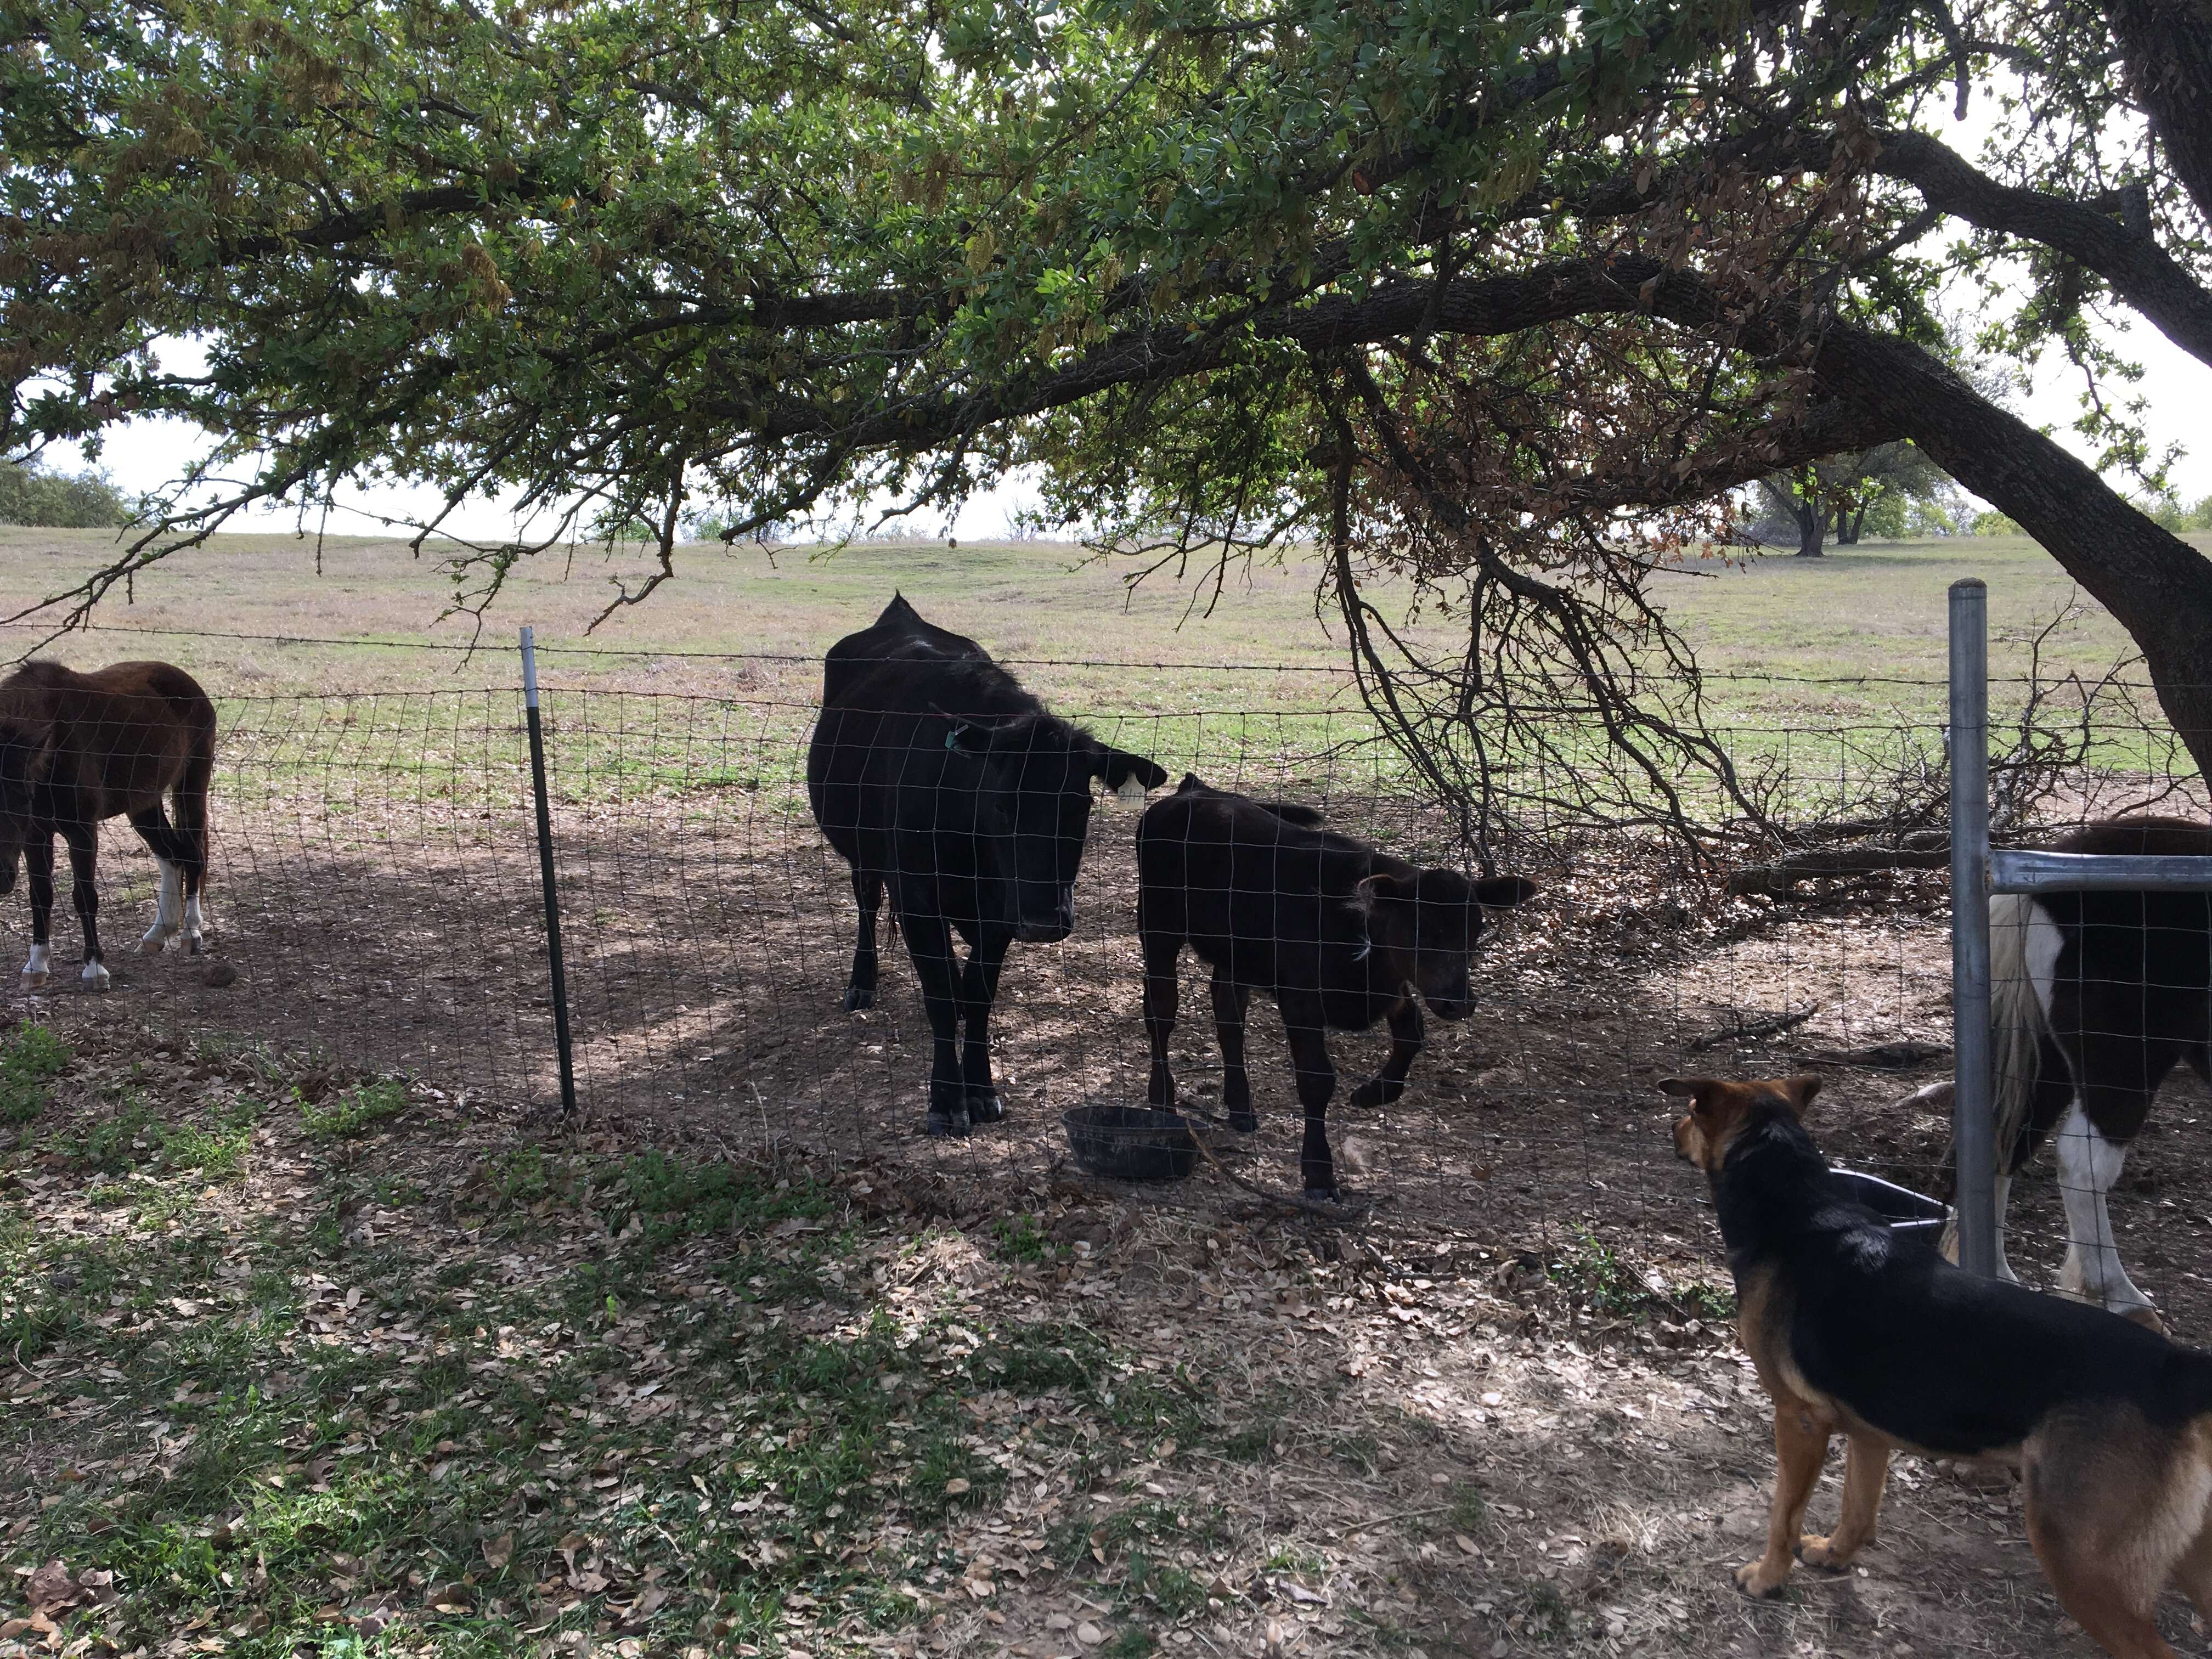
<point>166,909</point>
<point>35,970</point>
<point>2088,1168</point>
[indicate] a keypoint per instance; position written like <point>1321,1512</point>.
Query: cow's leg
<point>38,866</point>
<point>1316,1081</point>
<point>929,945</point>
<point>868,895</point>
<point>170,852</point>
<point>1162,951</point>
<point>1230,1003</point>
<point>84,853</point>
<point>1407,1033</point>
<point>979,989</point>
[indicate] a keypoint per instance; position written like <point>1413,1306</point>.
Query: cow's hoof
<point>2145,1316</point>
<point>986,1108</point>
<point>1375,1092</point>
<point>857,997</point>
<point>96,977</point>
<point>34,980</point>
<point>945,1123</point>
<point>1245,1123</point>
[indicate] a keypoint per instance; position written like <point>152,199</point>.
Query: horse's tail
<point>2017,1020</point>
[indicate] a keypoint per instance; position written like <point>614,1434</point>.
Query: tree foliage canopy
<point>1505,296</point>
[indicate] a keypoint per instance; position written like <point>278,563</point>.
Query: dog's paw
<point>1756,1578</point>
<point>1820,1554</point>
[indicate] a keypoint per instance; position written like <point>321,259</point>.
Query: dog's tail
<point>2016,1023</point>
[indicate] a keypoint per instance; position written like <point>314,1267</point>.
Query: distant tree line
<point>33,495</point>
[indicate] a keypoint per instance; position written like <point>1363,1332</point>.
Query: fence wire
<point>373,881</point>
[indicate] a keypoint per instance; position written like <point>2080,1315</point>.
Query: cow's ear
<point>1376,891</point>
<point>1128,775</point>
<point>966,738</point>
<point>1504,892</point>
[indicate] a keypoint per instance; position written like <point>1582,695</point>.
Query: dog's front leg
<point>1865,1470</point>
<point>1800,1446</point>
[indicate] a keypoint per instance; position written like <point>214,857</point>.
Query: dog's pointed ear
<point>1685,1086</point>
<point>1800,1089</point>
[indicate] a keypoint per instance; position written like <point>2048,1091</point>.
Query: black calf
<point>1340,935</point>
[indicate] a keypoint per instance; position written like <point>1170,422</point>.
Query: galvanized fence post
<point>545,873</point>
<point>1972,1128</point>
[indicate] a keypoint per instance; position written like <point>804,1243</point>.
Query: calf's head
<point>1426,926</point>
<point>1032,784</point>
<point>26,756</point>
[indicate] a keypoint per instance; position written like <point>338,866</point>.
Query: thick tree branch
<point>2140,272</point>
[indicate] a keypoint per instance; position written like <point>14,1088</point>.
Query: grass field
<point>1817,666</point>
<point>1875,610</point>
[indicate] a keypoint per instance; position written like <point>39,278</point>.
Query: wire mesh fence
<point>373,881</point>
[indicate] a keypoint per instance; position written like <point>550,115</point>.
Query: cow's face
<point>1425,927</point>
<point>1033,811</point>
<point>25,758</point>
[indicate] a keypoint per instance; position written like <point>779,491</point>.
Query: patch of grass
<point>355,1110</point>
<point>671,1197</point>
<point>1593,1274</point>
<point>1018,1240</point>
<point>31,1057</point>
<point>1469,1508</point>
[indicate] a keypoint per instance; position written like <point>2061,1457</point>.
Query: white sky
<point>2176,387</point>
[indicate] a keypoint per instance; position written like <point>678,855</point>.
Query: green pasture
<point>349,688</point>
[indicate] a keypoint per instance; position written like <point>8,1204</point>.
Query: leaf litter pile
<point>304,1359</point>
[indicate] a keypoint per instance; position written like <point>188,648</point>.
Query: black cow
<point>938,778</point>
<point>1340,934</point>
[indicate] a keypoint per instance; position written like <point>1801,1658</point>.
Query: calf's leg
<point>1230,1003</point>
<point>929,944</point>
<point>1161,991</point>
<point>1409,1032</point>
<point>868,894</point>
<point>979,989</point>
<point>1316,1082</point>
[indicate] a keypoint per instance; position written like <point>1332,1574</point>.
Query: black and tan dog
<point>1856,1331</point>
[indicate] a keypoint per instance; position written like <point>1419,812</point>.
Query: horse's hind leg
<point>191,798</point>
<point>84,854</point>
<point>166,844</point>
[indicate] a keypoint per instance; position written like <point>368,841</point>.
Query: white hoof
<point>192,941</point>
<point>32,979</point>
<point>156,941</point>
<point>95,977</point>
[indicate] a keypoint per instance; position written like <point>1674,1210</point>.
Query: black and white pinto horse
<point>2094,999</point>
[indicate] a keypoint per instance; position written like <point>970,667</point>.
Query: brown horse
<point>78,748</point>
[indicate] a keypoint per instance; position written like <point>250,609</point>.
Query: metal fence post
<point>545,872</point>
<point>1972,1131</point>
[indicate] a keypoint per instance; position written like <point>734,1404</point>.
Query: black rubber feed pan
<point>1907,1212</point>
<point>1131,1143</point>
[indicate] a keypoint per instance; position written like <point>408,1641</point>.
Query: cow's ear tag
<point>952,739</point>
<point>1131,788</point>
